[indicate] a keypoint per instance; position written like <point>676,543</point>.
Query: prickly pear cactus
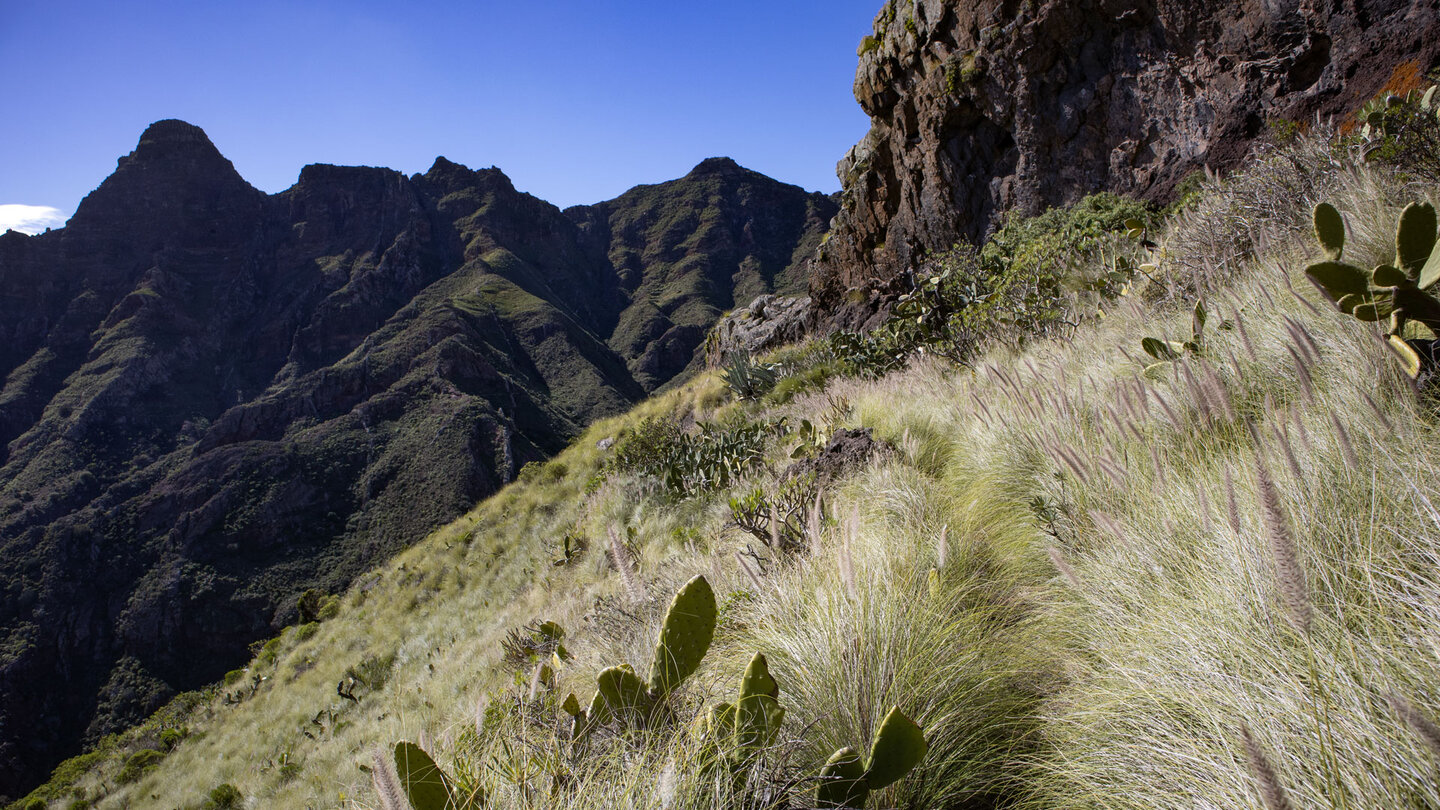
<point>842,781</point>
<point>425,785</point>
<point>1330,230</point>
<point>757,679</point>
<point>624,693</point>
<point>1400,291</point>
<point>899,745</point>
<point>758,714</point>
<point>684,637</point>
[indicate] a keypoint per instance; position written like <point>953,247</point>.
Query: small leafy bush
<point>1033,276</point>
<point>138,764</point>
<point>224,796</point>
<point>1403,131</point>
<point>688,464</point>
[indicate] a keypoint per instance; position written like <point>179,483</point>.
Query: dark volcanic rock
<point>997,105</point>
<point>215,399</point>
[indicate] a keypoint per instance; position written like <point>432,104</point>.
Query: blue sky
<point>575,101</point>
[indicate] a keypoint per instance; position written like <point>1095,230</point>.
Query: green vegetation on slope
<point>1215,584</point>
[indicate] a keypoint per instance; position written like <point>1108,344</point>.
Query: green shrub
<point>224,795</point>
<point>309,604</point>
<point>171,737</point>
<point>694,463</point>
<point>1403,131</point>
<point>234,676</point>
<point>373,670</point>
<point>1032,277</point>
<point>138,764</point>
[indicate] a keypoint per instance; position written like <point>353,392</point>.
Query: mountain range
<point>216,399</point>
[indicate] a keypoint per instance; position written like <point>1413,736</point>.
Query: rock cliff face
<point>987,106</point>
<point>215,399</point>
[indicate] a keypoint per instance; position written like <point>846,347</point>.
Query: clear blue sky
<point>575,101</point>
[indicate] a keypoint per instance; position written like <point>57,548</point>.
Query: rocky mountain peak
<point>717,167</point>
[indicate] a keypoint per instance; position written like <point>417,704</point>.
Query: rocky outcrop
<point>768,322</point>
<point>214,399</point>
<point>991,106</point>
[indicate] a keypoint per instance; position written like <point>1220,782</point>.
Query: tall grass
<point>1214,586</point>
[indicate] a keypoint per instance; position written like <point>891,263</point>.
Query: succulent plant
<point>846,780</point>
<point>1399,292</point>
<point>685,636</point>
<point>736,732</point>
<point>1168,351</point>
<point>426,786</point>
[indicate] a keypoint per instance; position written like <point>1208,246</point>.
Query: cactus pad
<point>1415,238</point>
<point>899,746</point>
<point>684,638</point>
<point>1337,279</point>
<point>425,785</point>
<point>624,692</point>
<point>1330,230</point>
<point>1386,276</point>
<point>757,680</point>
<point>842,781</point>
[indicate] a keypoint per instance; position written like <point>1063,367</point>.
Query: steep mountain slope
<point>215,399</point>
<point>1092,585</point>
<point>996,106</point>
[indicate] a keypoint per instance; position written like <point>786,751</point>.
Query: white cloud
<point>30,219</point>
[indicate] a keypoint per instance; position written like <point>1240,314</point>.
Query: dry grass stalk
<point>1346,448</point>
<point>1284,553</point>
<point>1160,478</point>
<point>625,565</point>
<point>387,784</point>
<point>1169,413</point>
<point>1218,392</point>
<point>1298,425</point>
<point>942,547</point>
<point>1379,414</point>
<point>1232,503</point>
<point>1203,500</point>
<point>1302,373</point>
<point>1424,727</point>
<point>1111,526</point>
<point>1282,437</point>
<point>847,561</point>
<point>750,572</point>
<point>1302,338</point>
<point>1270,790</point>
<point>1074,462</point>
<point>1064,567</point>
<point>1113,471</point>
<point>815,524</point>
<point>1245,337</point>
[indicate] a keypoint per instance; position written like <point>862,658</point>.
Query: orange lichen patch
<point>1405,78</point>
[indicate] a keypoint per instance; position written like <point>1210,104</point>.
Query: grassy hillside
<point>1215,583</point>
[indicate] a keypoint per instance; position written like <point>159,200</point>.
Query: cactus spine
<point>897,748</point>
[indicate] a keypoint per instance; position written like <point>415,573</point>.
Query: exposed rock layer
<point>983,107</point>
<point>214,399</point>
